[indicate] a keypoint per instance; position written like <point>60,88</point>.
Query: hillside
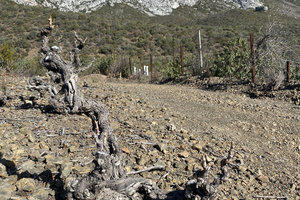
<point>120,32</point>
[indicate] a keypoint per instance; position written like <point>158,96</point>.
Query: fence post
<point>141,65</point>
<point>201,59</point>
<point>252,57</point>
<point>130,67</point>
<point>288,69</point>
<point>181,57</point>
<point>151,66</point>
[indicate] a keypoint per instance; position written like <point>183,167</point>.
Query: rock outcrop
<point>151,7</point>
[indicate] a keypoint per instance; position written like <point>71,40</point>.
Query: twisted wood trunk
<point>108,181</point>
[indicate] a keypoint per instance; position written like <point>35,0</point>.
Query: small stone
<point>243,169</point>
<point>30,137</point>
<point>239,161</point>
<point>259,172</point>
<point>5,191</point>
<point>148,132</point>
<point>128,169</point>
<point>42,145</point>
<point>43,194</point>
<point>263,179</point>
<point>85,169</point>
<point>166,186</point>
<point>190,164</point>
<point>28,166</point>
<point>161,147</point>
<point>25,130</point>
<point>25,185</point>
<point>108,194</point>
<point>154,123</point>
<point>49,159</point>
<point>197,147</point>
<point>193,138</point>
<point>66,169</point>
<point>141,160</point>
<point>68,181</point>
<point>72,149</point>
<point>184,154</point>
<point>183,131</point>
<point>209,159</point>
<point>14,147</point>
<point>163,109</point>
<point>19,151</point>
<point>128,124</point>
<point>125,150</point>
<point>160,163</point>
<point>12,179</point>
<point>171,127</point>
<point>3,171</point>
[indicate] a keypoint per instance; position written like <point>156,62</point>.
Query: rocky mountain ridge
<point>151,7</point>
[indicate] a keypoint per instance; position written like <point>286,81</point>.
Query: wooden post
<point>252,57</point>
<point>151,67</point>
<point>288,70</point>
<point>141,65</point>
<point>130,67</point>
<point>181,57</point>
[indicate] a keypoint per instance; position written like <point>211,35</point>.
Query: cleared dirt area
<point>156,124</point>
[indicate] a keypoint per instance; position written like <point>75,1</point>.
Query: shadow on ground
<point>46,177</point>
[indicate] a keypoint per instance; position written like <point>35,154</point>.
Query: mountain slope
<point>120,31</point>
<point>151,7</point>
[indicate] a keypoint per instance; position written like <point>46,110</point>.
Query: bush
<point>173,68</point>
<point>105,49</point>
<point>7,56</point>
<point>233,60</point>
<point>104,64</point>
<point>32,35</point>
<point>121,67</point>
<point>295,72</point>
<point>271,54</point>
<point>29,67</point>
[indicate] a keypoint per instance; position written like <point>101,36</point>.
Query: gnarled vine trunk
<point>108,180</point>
<point>109,174</point>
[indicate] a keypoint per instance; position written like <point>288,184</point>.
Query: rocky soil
<point>174,126</point>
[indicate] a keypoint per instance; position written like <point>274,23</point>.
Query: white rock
<point>151,7</point>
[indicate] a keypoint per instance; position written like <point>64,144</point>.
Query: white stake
<point>201,60</point>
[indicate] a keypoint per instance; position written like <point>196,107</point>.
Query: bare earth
<point>158,124</point>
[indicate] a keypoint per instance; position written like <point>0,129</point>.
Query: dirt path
<point>267,131</point>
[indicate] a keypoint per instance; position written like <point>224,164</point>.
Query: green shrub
<point>7,56</point>
<point>29,66</point>
<point>104,64</point>
<point>173,68</point>
<point>233,60</point>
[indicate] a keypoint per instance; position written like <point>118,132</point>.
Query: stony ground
<point>174,126</point>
